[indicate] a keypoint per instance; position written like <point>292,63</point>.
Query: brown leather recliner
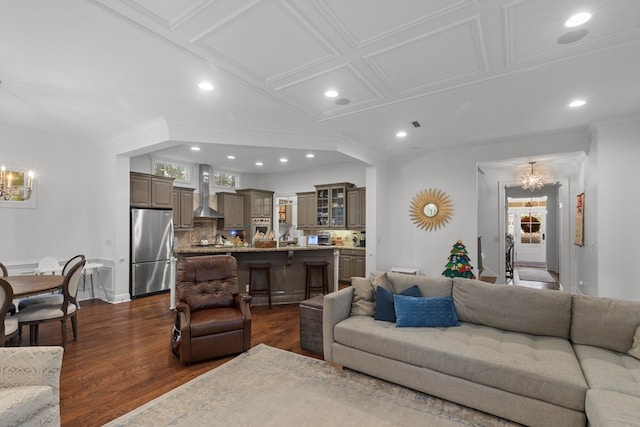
<point>212,318</point>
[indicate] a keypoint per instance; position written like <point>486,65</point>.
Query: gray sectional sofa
<point>537,357</point>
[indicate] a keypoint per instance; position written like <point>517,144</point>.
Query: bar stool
<point>324,286</point>
<point>266,268</point>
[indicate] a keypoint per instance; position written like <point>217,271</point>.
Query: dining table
<point>32,284</point>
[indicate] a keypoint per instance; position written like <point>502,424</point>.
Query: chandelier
<point>12,185</point>
<point>532,181</point>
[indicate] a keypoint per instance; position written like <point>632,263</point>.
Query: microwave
<point>324,239</point>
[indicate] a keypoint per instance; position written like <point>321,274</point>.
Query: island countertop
<point>241,249</point>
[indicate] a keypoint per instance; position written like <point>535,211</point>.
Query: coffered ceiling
<point>466,70</point>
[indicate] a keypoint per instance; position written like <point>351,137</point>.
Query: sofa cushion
<point>604,322</point>
<point>635,347</point>
<point>608,408</point>
<point>430,286</point>
<point>539,367</point>
<point>385,309</point>
<point>364,297</point>
<point>609,370</point>
<point>513,308</point>
<point>425,312</point>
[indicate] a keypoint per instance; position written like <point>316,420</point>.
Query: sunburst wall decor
<point>431,209</point>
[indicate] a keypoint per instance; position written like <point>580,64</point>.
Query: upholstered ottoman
<point>311,324</point>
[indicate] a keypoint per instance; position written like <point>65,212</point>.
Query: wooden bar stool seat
<point>266,268</point>
<point>322,287</point>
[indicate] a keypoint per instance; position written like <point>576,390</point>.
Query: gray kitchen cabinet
<point>352,264</point>
<point>357,208</point>
<point>231,205</point>
<point>150,191</point>
<point>258,203</point>
<point>182,208</point>
<point>331,203</point>
<point>307,210</point>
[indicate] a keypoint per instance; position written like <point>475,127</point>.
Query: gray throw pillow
<point>364,297</point>
<point>635,348</point>
<point>381,279</point>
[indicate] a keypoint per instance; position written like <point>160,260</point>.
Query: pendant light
<point>532,181</point>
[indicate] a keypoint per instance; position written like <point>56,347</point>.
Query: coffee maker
<point>363,239</point>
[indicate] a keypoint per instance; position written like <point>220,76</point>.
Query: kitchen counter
<point>211,249</point>
<point>288,272</point>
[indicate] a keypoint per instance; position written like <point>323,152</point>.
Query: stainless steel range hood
<point>204,210</point>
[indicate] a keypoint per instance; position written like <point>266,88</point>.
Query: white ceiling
<point>467,70</point>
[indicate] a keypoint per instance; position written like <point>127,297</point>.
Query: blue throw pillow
<point>430,312</point>
<point>384,302</point>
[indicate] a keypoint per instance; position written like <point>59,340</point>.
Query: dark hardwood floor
<point>122,358</point>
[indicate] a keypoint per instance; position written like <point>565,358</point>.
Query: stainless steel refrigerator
<point>151,251</point>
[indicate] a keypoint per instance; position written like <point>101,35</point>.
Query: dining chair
<point>40,313</point>
<point>56,297</point>
<point>4,273</point>
<point>48,262</point>
<point>69,264</point>
<point>9,325</point>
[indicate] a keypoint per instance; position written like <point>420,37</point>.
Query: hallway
<point>535,277</point>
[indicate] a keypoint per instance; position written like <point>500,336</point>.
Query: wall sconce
<point>13,185</point>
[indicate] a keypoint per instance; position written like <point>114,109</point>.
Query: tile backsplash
<point>201,230</point>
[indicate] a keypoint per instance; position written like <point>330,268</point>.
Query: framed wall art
<point>579,237</point>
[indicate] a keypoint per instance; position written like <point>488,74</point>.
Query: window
<point>223,179</point>
<point>174,170</point>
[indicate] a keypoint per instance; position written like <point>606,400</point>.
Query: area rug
<point>535,275</point>
<point>271,387</point>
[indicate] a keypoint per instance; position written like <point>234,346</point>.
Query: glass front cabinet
<point>331,201</point>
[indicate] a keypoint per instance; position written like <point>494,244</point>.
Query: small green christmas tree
<point>459,265</point>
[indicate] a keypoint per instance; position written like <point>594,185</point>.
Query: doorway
<point>527,220</point>
<point>548,217</point>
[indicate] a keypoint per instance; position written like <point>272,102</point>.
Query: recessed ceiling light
<point>310,155</point>
<point>283,160</point>
<point>205,86</point>
<point>231,157</point>
<point>577,19</point>
<point>195,148</point>
<point>577,103</point>
<point>259,163</point>
<point>331,93</point>
<point>401,134</point>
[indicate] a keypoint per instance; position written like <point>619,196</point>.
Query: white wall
<point>456,173</point>
<point>428,251</point>
<point>63,222</point>
<point>305,180</point>
<point>618,250</point>
<point>587,255</point>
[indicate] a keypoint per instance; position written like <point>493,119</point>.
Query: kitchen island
<point>288,273</point>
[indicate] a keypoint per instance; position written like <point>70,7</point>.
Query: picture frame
<point>579,232</point>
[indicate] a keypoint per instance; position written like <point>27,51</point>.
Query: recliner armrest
<point>243,302</point>
<point>336,307</point>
